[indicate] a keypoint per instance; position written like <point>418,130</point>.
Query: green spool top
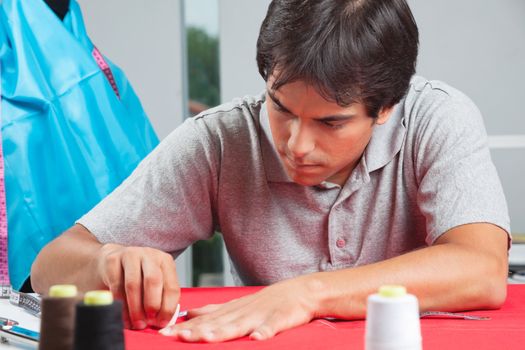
<point>98,297</point>
<point>392,291</point>
<point>63,291</point>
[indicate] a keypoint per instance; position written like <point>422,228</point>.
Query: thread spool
<point>58,318</point>
<point>98,323</point>
<point>392,320</point>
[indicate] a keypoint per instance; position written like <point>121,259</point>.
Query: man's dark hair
<point>351,51</point>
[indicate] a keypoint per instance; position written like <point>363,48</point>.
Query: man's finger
<point>274,324</point>
<point>170,292</point>
<point>153,281</point>
<point>204,310</point>
<point>227,329</point>
<point>131,264</point>
<point>113,279</point>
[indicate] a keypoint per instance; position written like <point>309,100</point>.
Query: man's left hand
<point>260,315</point>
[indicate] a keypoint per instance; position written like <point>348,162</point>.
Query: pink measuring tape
<point>4,266</point>
<point>105,69</point>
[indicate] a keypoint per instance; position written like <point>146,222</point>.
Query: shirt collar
<point>386,140</point>
<point>385,143</point>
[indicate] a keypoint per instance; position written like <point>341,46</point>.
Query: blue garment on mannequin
<point>68,139</point>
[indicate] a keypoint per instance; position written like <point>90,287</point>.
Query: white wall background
<point>478,46</point>
<point>239,23</point>
<point>144,38</point>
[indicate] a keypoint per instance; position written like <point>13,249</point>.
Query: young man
<point>348,173</point>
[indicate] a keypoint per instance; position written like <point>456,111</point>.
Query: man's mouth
<point>294,163</point>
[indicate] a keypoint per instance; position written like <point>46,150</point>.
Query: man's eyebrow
<point>329,118</point>
<point>277,102</point>
<point>336,118</point>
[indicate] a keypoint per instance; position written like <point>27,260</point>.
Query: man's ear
<point>384,115</point>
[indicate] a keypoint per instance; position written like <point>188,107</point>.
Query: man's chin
<point>306,181</point>
<point>309,177</point>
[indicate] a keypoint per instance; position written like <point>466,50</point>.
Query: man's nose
<point>301,141</point>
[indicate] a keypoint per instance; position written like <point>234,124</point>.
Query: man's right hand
<point>145,279</point>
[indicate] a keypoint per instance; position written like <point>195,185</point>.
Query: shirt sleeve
<point>458,183</point>
<point>167,202</point>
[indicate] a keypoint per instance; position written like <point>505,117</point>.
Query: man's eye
<point>334,125</point>
<point>278,108</point>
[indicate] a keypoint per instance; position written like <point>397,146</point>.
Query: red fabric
<point>505,330</point>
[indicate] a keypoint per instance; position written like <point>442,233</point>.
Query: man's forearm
<point>446,277</point>
<point>70,258</point>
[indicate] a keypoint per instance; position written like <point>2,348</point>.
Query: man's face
<point>317,140</point>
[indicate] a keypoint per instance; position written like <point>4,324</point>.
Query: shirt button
<point>340,243</point>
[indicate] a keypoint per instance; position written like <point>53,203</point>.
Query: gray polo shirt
<point>424,172</point>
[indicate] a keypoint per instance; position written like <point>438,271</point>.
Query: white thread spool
<point>392,320</point>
